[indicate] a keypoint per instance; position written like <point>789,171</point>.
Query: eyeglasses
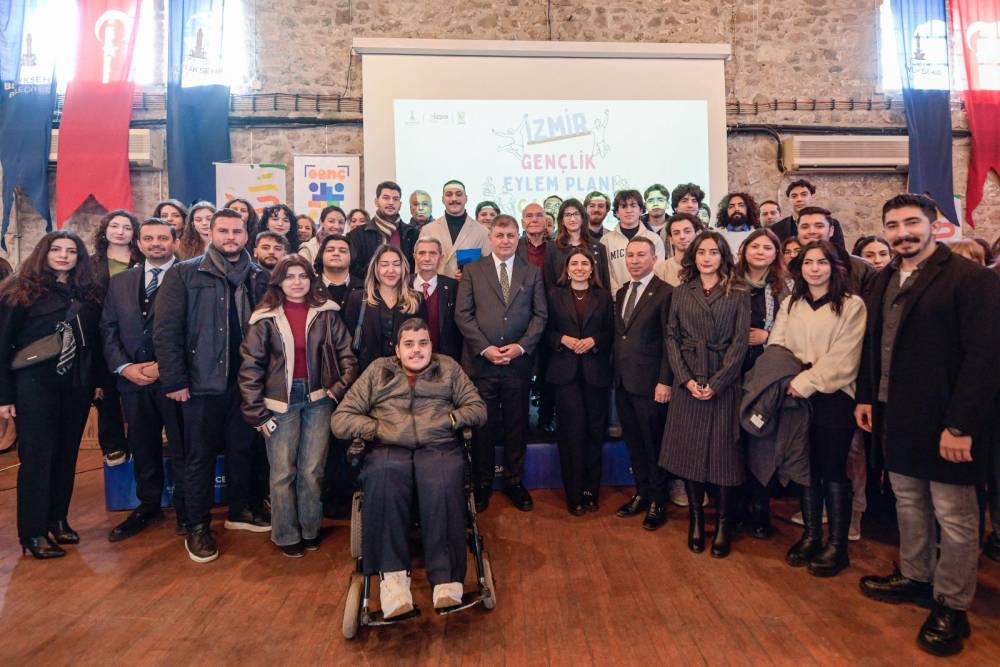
<point>572,214</point>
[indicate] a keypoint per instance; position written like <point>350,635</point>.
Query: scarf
<point>769,304</point>
<point>236,274</point>
<point>386,227</point>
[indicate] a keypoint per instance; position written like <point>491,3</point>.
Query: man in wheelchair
<point>410,408</point>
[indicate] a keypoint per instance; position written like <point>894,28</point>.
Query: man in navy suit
<point>501,312</point>
<point>127,336</point>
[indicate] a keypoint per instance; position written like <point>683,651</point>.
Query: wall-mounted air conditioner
<point>141,152</point>
<point>846,153</point>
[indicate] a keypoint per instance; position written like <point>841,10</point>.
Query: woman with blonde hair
<point>375,313</point>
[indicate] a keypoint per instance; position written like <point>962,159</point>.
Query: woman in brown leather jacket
<point>297,362</point>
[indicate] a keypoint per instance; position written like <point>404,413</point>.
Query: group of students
<point>727,372</point>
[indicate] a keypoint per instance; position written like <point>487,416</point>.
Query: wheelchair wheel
<point>356,525</point>
<point>352,608</point>
<point>490,600</point>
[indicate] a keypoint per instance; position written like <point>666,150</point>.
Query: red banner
<point>976,26</point>
<point>93,132</point>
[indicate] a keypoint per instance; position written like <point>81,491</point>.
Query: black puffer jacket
<point>268,353</point>
<point>191,334</point>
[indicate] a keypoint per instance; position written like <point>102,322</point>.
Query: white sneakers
<point>396,599</point>
<point>394,594</point>
<point>448,595</point>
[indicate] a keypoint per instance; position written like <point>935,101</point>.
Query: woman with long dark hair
<point>759,267</point>
<point>249,215</point>
<point>357,218</point>
<point>116,248</point>
<point>574,232</point>
<point>173,212</point>
<point>579,332</point>
<point>823,324</point>
<point>875,249</point>
<point>280,219</point>
<point>49,311</point>
<point>197,231</point>
<point>706,343</point>
<point>375,313</point>
<point>297,361</point>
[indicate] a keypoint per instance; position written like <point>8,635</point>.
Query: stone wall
<point>786,49</point>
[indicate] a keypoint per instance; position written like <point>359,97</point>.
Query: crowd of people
<point>785,361</point>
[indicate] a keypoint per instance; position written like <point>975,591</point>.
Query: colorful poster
<point>260,184</point>
<point>326,180</point>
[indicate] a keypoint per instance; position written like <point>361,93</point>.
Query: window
<point>929,65</point>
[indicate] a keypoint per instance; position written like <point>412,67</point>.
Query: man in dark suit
<point>642,378</point>
<point>501,312</point>
<point>802,194</point>
<point>440,293</point>
<point>384,227</point>
<point>127,337</point>
<point>927,391</point>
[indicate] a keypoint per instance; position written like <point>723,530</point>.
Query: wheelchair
<point>358,614</point>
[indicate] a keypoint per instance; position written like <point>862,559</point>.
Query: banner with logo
<point>326,180</point>
<point>93,131</point>
<point>262,185</point>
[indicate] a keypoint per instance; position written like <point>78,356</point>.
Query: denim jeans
<point>297,450</point>
<point>918,503</point>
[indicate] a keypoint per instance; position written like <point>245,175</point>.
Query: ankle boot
<point>760,511</point>
<point>62,533</point>
<point>832,559</point>
<point>721,543</point>
<point>811,543</point>
<point>696,516</point>
<point>41,548</point>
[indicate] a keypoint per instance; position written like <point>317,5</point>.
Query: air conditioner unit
<point>140,149</point>
<point>846,153</point>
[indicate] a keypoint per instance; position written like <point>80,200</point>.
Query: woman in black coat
<point>374,314</point>
<point>706,343</point>
<point>579,332</point>
<point>574,232</point>
<point>50,398</point>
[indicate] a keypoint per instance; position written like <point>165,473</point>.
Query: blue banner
<point>197,99</point>
<point>26,135</point>
<point>11,28</point>
<point>922,51</point>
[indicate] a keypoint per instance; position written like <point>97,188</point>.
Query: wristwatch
<point>956,432</point>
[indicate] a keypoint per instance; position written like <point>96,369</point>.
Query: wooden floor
<point>590,590</point>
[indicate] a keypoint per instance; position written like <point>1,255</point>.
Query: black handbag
<point>47,347</point>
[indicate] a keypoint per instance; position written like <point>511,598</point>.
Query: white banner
<point>326,180</point>
<point>260,184</point>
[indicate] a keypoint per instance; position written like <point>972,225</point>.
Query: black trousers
<point>110,423</point>
<point>642,421</point>
<point>338,481</point>
<point>212,423</point>
<point>506,398</point>
<point>829,448</point>
<point>546,392</point>
<point>582,416</point>
<point>149,412</point>
<point>389,478</point>
<point>51,416</point>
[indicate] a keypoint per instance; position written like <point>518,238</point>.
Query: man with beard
<point>926,391</point>
<point>656,197</point>
<point>815,224</point>
<point>737,213</point>
<point>269,249</point>
<point>598,204</point>
<point>802,194</point>
<point>203,309</point>
<point>420,208</point>
<point>462,239</point>
<point>384,227</point>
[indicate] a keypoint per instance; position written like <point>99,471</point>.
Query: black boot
<point>760,511</point>
<point>41,548</point>
<point>696,516</point>
<point>811,543</point>
<point>721,543</point>
<point>62,533</point>
<point>833,558</point>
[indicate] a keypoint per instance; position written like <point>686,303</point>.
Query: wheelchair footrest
<point>375,617</point>
<point>468,600</point>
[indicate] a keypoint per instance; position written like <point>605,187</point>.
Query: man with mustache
<point>927,392</point>
<point>462,239</point>
<point>384,227</point>
<point>126,333</point>
<point>737,213</point>
<point>269,249</point>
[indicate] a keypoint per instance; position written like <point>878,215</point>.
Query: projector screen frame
<point>706,60</point>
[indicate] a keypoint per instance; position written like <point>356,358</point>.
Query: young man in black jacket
<point>385,227</point>
<point>926,390</point>
<point>203,309</point>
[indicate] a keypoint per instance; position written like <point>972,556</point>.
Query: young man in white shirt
<point>628,207</point>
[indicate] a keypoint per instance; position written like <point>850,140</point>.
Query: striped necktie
<point>154,282</point>
<point>504,283</point>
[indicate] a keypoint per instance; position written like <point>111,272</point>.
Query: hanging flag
<point>922,51</point>
<point>93,133</point>
<point>197,98</point>
<point>977,25</point>
<point>11,28</point>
